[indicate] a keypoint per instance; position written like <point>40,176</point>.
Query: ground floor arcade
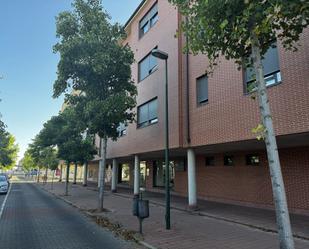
<point>231,176</point>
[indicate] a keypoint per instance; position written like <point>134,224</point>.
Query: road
<point>34,219</point>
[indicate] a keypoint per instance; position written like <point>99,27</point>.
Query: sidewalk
<point>215,225</point>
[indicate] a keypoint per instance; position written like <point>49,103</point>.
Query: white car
<point>4,184</point>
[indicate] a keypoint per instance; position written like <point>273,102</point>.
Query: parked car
<point>8,177</point>
<point>33,172</point>
<point>4,184</point>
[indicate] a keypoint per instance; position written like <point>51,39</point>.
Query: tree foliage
<point>220,27</point>
<point>94,63</point>
<point>27,162</point>
<point>65,133</point>
<point>8,149</point>
<point>49,158</point>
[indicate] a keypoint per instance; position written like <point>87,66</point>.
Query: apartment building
<point>214,154</point>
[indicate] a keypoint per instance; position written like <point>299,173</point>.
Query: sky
<point>27,64</point>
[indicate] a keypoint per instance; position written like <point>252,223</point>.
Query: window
<point>202,89</point>
<point>147,66</point>
<point>271,67</point>
<point>210,161</point>
<point>147,113</point>
<point>124,176</point>
<point>122,130</point>
<point>159,173</point>
<point>228,160</point>
<point>149,20</point>
<point>252,160</point>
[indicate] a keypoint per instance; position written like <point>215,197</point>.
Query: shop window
<point>252,160</point>
<point>142,180</point>
<point>124,176</point>
<point>228,160</point>
<point>90,173</point>
<point>159,173</point>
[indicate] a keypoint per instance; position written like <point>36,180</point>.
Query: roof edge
<point>134,13</point>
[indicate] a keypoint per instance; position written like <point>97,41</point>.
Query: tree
<point>27,162</point>
<point>243,30</point>
<point>94,63</point>
<point>85,153</point>
<point>8,147</point>
<point>49,159</point>
<point>65,132</point>
<point>8,150</point>
<point>35,151</point>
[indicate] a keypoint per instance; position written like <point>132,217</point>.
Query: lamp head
<point>159,54</point>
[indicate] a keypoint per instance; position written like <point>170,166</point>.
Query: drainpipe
<point>187,92</point>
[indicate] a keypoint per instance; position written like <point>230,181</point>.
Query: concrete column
<point>136,175</point>
<point>114,176</point>
<point>85,174</point>
<point>192,196</point>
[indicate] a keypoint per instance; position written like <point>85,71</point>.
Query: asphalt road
<point>34,219</point>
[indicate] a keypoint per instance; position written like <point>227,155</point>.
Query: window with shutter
<point>147,113</point>
<point>202,90</point>
<point>149,20</point>
<point>146,66</point>
<point>271,68</point>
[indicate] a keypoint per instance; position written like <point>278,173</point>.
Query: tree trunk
<point>85,176</point>
<point>45,178</point>
<point>102,173</point>
<point>279,195</point>
<point>67,180</point>
<point>61,168</point>
<point>75,174</point>
<point>52,183</point>
<point>38,176</point>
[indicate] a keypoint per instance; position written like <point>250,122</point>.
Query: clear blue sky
<point>28,65</point>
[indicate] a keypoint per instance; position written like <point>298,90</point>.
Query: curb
<point>92,215</point>
<point>143,243</point>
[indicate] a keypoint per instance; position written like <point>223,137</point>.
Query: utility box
<point>140,209</point>
<point>143,209</point>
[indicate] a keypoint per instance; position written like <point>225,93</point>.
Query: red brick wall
<point>230,114</point>
<point>251,184</point>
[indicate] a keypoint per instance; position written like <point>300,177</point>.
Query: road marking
<point>5,199</point>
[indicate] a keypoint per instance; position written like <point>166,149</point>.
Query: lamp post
<point>164,56</point>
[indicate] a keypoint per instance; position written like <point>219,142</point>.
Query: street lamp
<point>164,56</point>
